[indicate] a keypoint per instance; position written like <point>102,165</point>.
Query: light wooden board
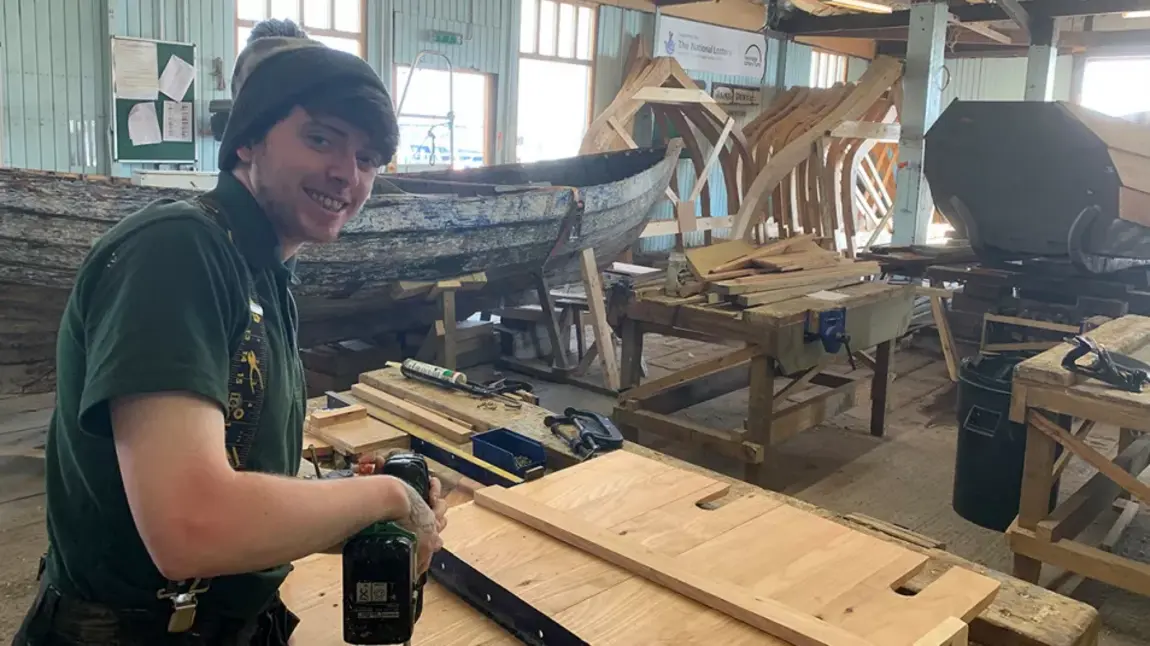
<point>1123,335</point>
<point>361,435</point>
<point>811,565</point>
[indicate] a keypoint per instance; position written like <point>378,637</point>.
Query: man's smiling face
<point>311,174</point>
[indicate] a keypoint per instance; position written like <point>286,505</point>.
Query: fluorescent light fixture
<point>1136,14</point>
<point>862,5</point>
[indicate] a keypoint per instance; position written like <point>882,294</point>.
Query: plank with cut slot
<point>627,536</point>
<point>415,413</point>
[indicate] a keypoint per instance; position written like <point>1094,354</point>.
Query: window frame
<point>822,61</point>
<point>359,37</point>
<point>575,60</point>
<point>489,110</point>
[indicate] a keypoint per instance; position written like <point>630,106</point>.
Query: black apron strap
<point>246,389</point>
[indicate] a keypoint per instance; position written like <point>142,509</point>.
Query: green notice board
<point>153,101</point>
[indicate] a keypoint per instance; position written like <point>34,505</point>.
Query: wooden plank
<point>877,131</point>
<point>668,227</point>
<point>369,380</point>
<point>718,148</point>
<point>697,371</point>
<point>704,260</point>
<point>672,95</point>
<point>414,413</point>
<point>942,324</point>
<point>1074,514</point>
<point>1122,335</point>
<point>728,443</point>
<point>596,301</point>
<point>361,436</point>
<point>770,616</point>
<point>796,279</point>
<point>1092,562</point>
<point>768,297</point>
<point>1128,482</point>
<point>329,416</point>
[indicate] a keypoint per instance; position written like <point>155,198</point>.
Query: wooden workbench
<point>1022,614</point>
<point>876,313</point>
<point>1041,388</point>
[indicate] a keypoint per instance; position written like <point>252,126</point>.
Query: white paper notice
<point>827,296</point>
<point>136,69</point>
<point>176,79</point>
<point>177,121</point>
<point>143,126</point>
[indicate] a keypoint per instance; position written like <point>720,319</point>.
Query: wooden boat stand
<point>1042,388</point>
<point>774,347</point>
<point>562,369</point>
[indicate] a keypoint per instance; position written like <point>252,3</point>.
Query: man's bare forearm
<point>254,521</point>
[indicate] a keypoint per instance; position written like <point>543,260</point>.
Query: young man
<point>175,443</point>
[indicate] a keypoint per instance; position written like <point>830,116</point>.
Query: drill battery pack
<point>380,597</point>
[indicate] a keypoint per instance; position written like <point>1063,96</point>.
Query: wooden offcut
<point>354,432</point>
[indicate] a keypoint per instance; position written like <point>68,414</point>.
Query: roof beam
<point>807,24</point>
<point>1017,13</point>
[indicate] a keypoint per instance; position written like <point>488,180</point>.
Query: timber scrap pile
<point>737,274</point>
<point>814,182</point>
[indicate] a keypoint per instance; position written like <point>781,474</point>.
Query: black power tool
<point>382,596</point>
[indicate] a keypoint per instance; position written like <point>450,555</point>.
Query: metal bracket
<point>513,614</point>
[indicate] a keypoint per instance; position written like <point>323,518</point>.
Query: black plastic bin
<point>991,448</point>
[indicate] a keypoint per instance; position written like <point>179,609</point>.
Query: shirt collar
<point>250,227</point>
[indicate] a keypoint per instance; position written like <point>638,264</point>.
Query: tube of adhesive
<point>433,372</point>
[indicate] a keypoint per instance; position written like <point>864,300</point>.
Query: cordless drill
<point>382,596</point>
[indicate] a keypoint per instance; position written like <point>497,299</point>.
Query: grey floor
<point>905,477</point>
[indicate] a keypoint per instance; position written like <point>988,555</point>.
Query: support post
<point>1040,59</point>
<point>921,103</point>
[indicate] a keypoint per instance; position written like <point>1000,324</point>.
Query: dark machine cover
<point>1026,179</point>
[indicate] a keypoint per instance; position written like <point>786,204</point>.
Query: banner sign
<point>709,48</point>
<point>727,94</point>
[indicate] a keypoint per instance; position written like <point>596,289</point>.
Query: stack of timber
<point>737,274</point>
<point>710,136</point>
<point>804,184</point>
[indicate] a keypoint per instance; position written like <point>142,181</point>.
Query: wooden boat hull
<point>512,222</point>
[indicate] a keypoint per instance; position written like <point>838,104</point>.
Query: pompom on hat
<point>280,67</point>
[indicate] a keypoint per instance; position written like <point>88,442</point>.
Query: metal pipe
<point>450,98</point>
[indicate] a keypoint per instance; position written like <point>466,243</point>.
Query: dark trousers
<point>56,620</point>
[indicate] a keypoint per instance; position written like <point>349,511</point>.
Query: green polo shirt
<point>160,304</point>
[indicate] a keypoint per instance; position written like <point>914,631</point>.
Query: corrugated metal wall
<point>54,64</point>
<point>54,110</point>
<point>997,79</point>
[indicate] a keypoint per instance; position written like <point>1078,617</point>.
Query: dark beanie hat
<point>275,72</point>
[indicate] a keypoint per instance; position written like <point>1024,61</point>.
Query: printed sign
<point>710,48</point>
<point>727,94</point>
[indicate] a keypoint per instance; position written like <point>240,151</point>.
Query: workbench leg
<point>1027,569</point>
<point>1034,499</point>
<point>450,347</point>
<point>760,414</point>
<point>884,354</point>
<point>632,335</point>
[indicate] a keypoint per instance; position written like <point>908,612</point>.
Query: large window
<point>556,50</point>
<point>1107,86</point>
<point>827,69</point>
<point>336,23</point>
<point>424,138</point>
